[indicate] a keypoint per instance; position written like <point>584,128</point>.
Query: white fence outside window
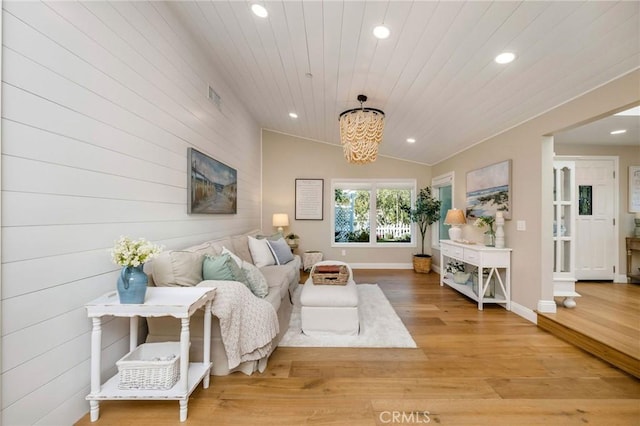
<point>397,230</point>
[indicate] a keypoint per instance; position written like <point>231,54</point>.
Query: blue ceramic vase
<point>132,285</point>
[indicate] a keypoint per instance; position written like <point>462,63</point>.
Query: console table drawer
<point>451,251</point>
<point>471,256</point>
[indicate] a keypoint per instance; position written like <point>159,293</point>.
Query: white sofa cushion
<point>177,268</point>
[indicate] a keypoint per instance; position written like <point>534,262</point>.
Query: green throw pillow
<point>222,268</point>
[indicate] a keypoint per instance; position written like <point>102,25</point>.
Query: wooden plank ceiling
<point>434,77</point>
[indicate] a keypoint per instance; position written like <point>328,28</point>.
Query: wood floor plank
<point>507,412</point>
<point>471,367</point>
<point>606,323</point>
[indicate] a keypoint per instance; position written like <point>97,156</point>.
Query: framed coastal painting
<point>212,186</point>
<point>489,190</point>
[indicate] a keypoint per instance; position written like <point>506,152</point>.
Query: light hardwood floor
<point>606,323</point>
<point>471,367</point>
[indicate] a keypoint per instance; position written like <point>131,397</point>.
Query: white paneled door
<point>595,229</point>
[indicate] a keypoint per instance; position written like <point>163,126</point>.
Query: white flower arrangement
<point>483,221</point>
<point>128,252</point>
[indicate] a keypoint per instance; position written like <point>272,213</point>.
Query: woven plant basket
<point>422,264</point>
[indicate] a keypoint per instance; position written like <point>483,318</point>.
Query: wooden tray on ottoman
<point>330,275</point>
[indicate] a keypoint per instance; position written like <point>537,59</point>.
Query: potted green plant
<point>292,239</point>
<point>425,213</point>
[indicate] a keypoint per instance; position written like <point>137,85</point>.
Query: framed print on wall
<point>489,190</point>
<point>309,199</point>
<point>212,186</point>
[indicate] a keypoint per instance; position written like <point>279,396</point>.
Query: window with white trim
<point>372,212</point>
<point>442,189</point>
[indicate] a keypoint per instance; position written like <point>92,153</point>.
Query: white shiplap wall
<point>100,102</point>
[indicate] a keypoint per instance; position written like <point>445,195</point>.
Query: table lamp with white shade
<point>280,220</point>
<point>455,218</point>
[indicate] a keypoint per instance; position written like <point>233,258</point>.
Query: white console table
<point>495,260</point>
<point>159,301</point>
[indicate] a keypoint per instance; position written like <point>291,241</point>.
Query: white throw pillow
<point>260,252</point>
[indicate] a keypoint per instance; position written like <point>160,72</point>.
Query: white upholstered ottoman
<point>329,309</point>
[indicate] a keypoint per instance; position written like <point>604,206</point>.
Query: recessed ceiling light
<point>381,32</point>
<point>293,115</point>
<point>259,10</point>
<point>411,140</point>
<point>618,132</point>
<point>505,57</point>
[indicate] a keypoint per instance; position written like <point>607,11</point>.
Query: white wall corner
<point>524,312</point>
<point>547,306</point>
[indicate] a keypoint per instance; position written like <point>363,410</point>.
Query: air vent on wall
<point>215,98</point>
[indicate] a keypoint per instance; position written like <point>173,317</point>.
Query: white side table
<point>164,301</point>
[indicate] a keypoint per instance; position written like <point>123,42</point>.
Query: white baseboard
<point>547,306</point>
<point>381,265</point>
<point>619,278</point>
<point>524,312</point>
<point>435,268</point>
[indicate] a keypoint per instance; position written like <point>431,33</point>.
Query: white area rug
<point>380,326</point>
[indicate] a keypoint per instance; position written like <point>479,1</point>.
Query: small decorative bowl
<point>461,277</point>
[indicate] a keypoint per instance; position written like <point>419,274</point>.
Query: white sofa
<point>173,270</point>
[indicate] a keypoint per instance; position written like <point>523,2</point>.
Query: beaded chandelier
<point>361,133</point>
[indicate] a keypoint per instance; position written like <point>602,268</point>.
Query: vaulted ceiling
<point>435,76</point>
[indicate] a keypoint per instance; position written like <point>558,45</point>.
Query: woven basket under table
<point>150,366</point>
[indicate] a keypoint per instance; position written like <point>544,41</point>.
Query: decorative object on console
<point>280,220</point>
<point>455,218</point>
<point>489,190</point>
<point>489,235</point>
<point>499,229</point>
<point>131,255</point>
<point>212,186</point>
<point>490,284</point>
<point>461,277</point>
<point>454,266</point>
<point>361,132</point>
<point>426,212</point>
